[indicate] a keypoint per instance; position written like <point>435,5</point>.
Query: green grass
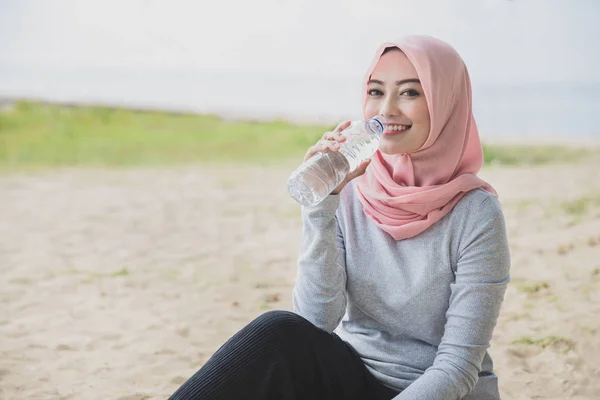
<point>546,341</point>
<point>33,135</point>
<point>582,206</point>
<point>43,135</point>
<point>532,287</point>
<point>535,155</point>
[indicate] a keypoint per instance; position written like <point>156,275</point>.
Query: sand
<point>120,284</point>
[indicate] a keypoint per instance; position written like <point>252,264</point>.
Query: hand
<point>331,142</point>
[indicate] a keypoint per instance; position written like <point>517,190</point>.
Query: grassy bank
<point>41,135</point>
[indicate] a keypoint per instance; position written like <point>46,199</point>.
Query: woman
<point>403,268</point>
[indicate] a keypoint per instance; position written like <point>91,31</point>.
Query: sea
<point>530,112</point>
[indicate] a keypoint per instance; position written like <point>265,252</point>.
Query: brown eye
<point>374,92</point>
<point>409,93</point>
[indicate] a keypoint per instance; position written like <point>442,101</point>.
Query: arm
<point>319,293</point>
<point>476,295</point>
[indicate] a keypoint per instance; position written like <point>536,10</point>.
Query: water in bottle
<point>316,178</point>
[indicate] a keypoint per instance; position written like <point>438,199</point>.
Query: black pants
<point>281,355</point>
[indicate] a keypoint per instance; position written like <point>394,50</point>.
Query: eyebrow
<point>398,83</point>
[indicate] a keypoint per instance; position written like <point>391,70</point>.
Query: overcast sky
<point>501,40</point>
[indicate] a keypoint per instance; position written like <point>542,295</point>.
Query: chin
<point>391,149</point>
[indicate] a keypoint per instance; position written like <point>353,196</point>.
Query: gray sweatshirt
<point>419,311</point>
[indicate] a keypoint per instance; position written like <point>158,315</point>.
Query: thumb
<point>362,168</point>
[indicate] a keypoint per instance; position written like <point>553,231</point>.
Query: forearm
<point>432,385</point>
<point>319,291</point>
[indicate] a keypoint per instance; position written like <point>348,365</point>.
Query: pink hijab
<point>404,194</point>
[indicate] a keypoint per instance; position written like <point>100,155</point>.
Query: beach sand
<point>120,284</point>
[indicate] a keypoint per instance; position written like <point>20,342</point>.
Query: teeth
<point>397,127</point>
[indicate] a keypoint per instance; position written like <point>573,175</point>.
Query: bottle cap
<point>376,125</point>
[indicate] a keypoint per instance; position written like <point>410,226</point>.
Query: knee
<point>280,323</point>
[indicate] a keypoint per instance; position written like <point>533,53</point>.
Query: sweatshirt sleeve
<point>482,275</point>
<point>319,292</point>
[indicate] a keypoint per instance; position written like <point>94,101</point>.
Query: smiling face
<point>395,93</point>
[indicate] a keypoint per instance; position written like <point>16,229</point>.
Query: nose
<point>389,107</point>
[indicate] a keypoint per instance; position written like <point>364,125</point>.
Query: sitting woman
<point>402,270</point>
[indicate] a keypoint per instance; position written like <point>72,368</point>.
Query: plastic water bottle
<point>316,178</point>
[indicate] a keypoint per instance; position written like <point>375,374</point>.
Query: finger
<point>311,151</point>
<point>362,168</point>
<point>321,146</point>
<point>324,145</point>
<point>329,136</point>
<point>342,125</point>
<point>334,136</point>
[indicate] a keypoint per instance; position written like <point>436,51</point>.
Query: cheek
<point>417,113</point>
<point>422,112</point>
<point>371,109</point>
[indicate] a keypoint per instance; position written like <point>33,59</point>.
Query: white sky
<point>501,40</point>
